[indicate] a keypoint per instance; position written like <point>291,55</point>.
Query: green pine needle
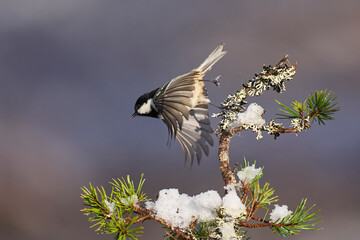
<point>318,107</point>
<point>301,219</point>
<point>113,214</point>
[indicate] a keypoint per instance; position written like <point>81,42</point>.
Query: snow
<point>247,174</point>
<point>149,205</point>
<point>227,231</point>
<point>131,200</point>
<point>179,209</point>
<point>230,187</point>
<point>279,212</point>
<point>111,207</point>
<point>233,205</point>
<point>252,116</point>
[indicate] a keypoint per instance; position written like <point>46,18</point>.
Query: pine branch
<point>318,107</point>
<point>117,212</point>
<point>151,215</point>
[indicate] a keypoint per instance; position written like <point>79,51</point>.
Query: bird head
<point>143,105</point>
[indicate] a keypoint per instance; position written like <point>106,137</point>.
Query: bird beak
<point>135,113</point>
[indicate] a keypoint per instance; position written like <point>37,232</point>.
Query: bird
<point>182,104</point>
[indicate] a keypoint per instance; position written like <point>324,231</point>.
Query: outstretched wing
<point>195,135</point>
<point>176,98</point>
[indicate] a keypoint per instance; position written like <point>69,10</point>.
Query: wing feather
<point>176,119</point>
<point>185,142</point>
<point>180,108</point>
<point>186,148</point>
<point>195,135</point>
<point>168,123</point>
<point>198,139</point>
<point>186,88</point>
<point>194,147</point>
<point>182,103</point>
<point>172,121</point>
<point>184,94</point>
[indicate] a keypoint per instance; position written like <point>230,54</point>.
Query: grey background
<point>70,72</point>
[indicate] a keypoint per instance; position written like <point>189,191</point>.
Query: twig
<point>142,219</point>
<point>259,219</point>
<point>286,130</point>
<point>244,224</point>
<point>151,215</point>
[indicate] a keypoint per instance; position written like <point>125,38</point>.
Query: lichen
<point>274,77</point>
<point>232,105</point>
<point>300,124</point>
<point>270,77</point>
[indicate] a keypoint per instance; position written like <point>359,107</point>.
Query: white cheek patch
<point>146,107</point>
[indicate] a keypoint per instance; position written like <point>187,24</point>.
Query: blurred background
<point>71,71</point>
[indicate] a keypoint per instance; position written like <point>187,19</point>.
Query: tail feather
<point>215,56</point>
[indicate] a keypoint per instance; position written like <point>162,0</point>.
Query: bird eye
<point>137,107</point>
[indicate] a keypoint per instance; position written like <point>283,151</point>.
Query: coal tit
<point>182,104</point>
